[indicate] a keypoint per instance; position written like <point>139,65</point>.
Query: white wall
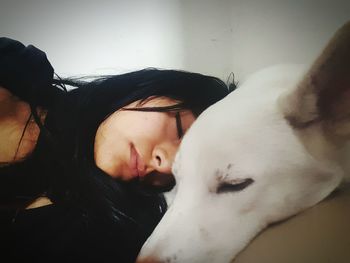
<point>89,37</point>
<point>282,31</point>
<point>243,36</point>
<point>208,36</point>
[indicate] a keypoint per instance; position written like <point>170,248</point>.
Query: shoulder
<point>14,115</point>
<point>11,106</point>
<point>5,95</point>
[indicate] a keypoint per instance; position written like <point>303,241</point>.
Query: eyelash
<point>234,187</point>
<point>180,132</point>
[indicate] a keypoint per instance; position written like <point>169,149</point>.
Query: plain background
<point>213,37</point>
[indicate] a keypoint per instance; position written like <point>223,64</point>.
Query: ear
<point>323,95</point>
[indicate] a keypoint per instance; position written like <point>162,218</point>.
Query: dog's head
<point>268,150</point>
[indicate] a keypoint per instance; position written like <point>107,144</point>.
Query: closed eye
<point>179,129</point>
<point>234,186</point>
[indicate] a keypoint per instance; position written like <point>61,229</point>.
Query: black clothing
<point>26,72</point>
<point>56,233</point>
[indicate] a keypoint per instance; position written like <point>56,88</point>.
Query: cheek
<point>150,125</point>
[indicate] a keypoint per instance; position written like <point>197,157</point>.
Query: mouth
<point>136,164</point>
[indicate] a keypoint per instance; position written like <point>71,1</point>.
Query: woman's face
<point>138,144</point>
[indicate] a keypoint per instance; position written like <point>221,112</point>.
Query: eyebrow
<point>180,131</point>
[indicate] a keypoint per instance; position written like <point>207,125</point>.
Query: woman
<point>81,171</point>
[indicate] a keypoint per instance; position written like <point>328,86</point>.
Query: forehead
<point>246,130</point>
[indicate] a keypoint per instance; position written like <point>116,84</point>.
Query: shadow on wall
<point>245,35</point>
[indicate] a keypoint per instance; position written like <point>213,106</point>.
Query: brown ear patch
<point>324,92</point>
<point>297,124</point>
<point>334,103</point>
<point>300,107</point>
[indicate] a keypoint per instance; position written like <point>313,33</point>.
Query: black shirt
<point>55,233</point>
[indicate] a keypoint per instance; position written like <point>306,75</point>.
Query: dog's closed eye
<point>234,185</point>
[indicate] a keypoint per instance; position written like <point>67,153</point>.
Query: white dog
<point>269,150</point>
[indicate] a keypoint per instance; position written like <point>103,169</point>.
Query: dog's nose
<point>148,260</point>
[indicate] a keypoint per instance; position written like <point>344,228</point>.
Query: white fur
<point>245,135</point>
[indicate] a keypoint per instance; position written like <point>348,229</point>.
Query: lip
<point>136,163</point>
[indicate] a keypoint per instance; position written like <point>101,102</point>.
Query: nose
<point>148,260</point>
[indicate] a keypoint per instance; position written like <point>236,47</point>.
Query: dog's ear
<point>323,95</point>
